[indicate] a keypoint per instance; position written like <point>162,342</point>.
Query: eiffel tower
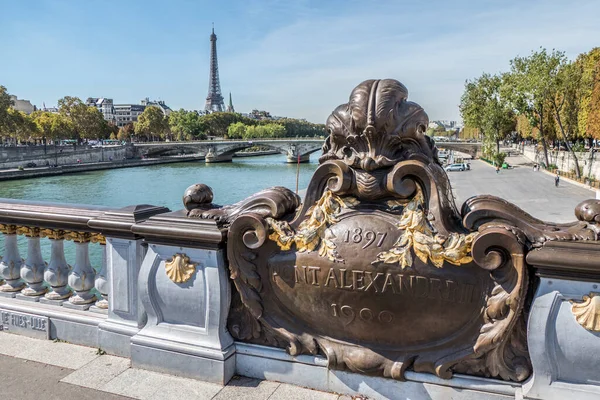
<point>214,100</point>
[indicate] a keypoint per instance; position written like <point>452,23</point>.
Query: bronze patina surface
<point>376,269</point>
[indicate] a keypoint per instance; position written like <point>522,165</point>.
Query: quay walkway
<point>32,369</point>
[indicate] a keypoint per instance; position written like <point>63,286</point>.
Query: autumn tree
<point>126,132</point>
<point>533,86</point>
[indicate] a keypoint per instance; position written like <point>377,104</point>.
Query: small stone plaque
<point>25,324</point>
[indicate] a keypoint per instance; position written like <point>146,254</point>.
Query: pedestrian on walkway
<point>556,180</point>
<point>497,169</point>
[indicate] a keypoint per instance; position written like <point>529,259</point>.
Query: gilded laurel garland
<point>55,234</point>
<point>179,269</point>
<point>314,231</point>
<point>418,235</point>
<point>587,313</point>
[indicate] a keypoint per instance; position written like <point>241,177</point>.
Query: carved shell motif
<point>179,269</point>
<point>587,313</point>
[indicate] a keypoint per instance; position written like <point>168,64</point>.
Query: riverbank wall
<point>73,167</point>
<point>78,168</point>
<point>61,155</point>
<point>564,160</point>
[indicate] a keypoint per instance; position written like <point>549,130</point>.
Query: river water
<point>161,185</point>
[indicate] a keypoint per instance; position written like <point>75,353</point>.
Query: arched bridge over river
<point>223,150</point>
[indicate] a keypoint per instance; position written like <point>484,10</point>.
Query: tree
<point>20,126</point>
<point>569,85</point>
<point>53,126</point>
<point>152,122</point>
<point>5,104</point>
<point>589,109</point>
<point>485,105</point>
<point>533,86</point>
<point>186,125</point>
<point>216,124</point>
<point>126,132</point>
<point>88,122</point>
<point>237,130</point>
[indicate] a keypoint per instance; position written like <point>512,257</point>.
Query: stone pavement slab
<point>141,384</point>
<point>58,354</point>
<point>243,388</point>
<point>99,372</point>
<point>28,380</point>
<point>291,392</point>
<point>11,345</point>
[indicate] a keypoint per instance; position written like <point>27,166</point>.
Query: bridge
<point>471,148</point>
<point>223,150</point>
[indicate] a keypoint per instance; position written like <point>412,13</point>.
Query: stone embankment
<point>76,168</point>
<point>564,160</point>
<point>15,157</point>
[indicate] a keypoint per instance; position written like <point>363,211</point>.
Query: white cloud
<point>308,67</point>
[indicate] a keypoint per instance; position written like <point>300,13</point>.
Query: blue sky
<point>294,58</point>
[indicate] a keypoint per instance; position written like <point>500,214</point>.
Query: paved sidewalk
<point>41,369</point>
<point>534,192</point>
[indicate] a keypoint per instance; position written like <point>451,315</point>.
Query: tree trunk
<point>544,144</point>
<point>568,145</point>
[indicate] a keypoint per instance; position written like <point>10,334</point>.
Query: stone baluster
<point>101,281</point>
<point>10,267</point>
<point>57,272</point>
<point>82,276</point>
<point>32,270</point>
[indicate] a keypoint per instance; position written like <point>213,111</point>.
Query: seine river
<point>157,185</point>
<point>163,185</point>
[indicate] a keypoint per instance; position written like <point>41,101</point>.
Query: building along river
<point>161,185</point>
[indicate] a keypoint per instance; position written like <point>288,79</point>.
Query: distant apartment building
<point>22,105</point>
<point>123,114</point>
<point>104,105</point>
<point>127,113</point>
<point>160,104</point>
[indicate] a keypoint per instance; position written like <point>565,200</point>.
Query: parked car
<point>30,165</point>
<point>455,167</point>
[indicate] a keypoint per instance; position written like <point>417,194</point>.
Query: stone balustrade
<point>29,277</point>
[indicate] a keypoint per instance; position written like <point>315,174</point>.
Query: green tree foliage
<point>533,86</point>
<point>21,126</point>
<point>152,123</point>
<point>187,125</point>
<point>5,104</point>
<point>53,126</point>
<point>485,105</point>
<point>87,122</point>
<point>236,130</point>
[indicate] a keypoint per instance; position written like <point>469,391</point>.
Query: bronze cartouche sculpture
<point>376,269</point>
